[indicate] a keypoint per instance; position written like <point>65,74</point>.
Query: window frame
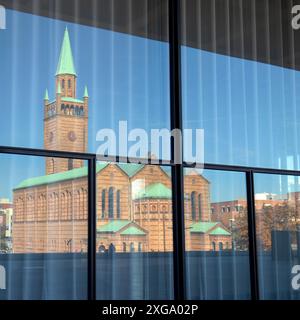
<point>179,274</point>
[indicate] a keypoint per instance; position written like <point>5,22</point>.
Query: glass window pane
<point>114,63</point>
<point>43,225</point>
<point>278,236</point>
<point>134,232</point>
<point>216,235</point>
<point>234,85</point>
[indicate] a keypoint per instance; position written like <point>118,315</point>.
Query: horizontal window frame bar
<point>242,169</point>
<point>46,153</point>
<point>147,161</point>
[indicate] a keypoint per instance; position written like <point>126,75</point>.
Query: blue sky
<point>249,110</point>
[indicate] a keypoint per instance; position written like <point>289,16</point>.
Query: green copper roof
<point>219,231</point>
<point>66,63</point>
<point>130,168</point>
<point>133,231</point>
<point>56,177</point>
<point>202,227</point>
<point>68,99</point>
<point>86,94</point>
<point>155,191</point>
<point>113,226</point>
<point>58,88</point>
<point>46,95</point>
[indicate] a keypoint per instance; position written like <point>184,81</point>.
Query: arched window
<point>70,164</point>
<point>69,206</point>
<point>140,247</point>
<point>103,203</point>
<point>51,207</point>
<point>81,111</point>
<point>30,210</point>
<point>199,206</point>
<point>62,108</point>
<point>131,247</point>
<point>221,246</point>
<point>118,204</point>
<point>213,245</point>
<point>69,84</point>
<point>85,202</point>
<point>77,204</point>
<point>63,205</point>
<point>111,203</point>
<point>63,84</point>
<point>56,207</point>
<point>124,247</point>
<point>19,209</point>
<point>83,205</point>
<point>193,205</point>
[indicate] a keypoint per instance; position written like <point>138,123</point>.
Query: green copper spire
<point>46,95</point>
<point>58,88</point>
<point>86,94</point>
<point>66,63</point>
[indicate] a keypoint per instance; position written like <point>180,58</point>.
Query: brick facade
<point>52,216</point>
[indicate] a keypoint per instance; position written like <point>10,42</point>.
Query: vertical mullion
<point>177,169</point>
<point>252,236</point>
<point>92,228</point>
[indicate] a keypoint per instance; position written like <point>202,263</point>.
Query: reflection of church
<point>134,205</point>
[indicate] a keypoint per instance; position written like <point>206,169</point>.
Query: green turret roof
<point>86,94</point>
<point>155,191</point>
<point>46,95</point>
<point>66,63</point>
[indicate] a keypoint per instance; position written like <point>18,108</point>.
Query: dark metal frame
<point>178,210</point>
<point>177,177</point>
<point>91,159</point>
<point>177,169</point>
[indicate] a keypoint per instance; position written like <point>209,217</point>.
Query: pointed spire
<point>46,95</point>
<point>66,62</point>
<point>86,94</point>
<point>58,88</point>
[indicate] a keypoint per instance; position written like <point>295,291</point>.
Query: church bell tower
<point>65,117</point>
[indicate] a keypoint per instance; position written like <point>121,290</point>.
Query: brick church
<point>134,201</point>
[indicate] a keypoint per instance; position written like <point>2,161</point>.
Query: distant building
<point>265,196</point>
<point>227,212</point>
<point>6,216</point>
<point>134,201</point>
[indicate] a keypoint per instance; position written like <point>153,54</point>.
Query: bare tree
<point>279,217</point>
